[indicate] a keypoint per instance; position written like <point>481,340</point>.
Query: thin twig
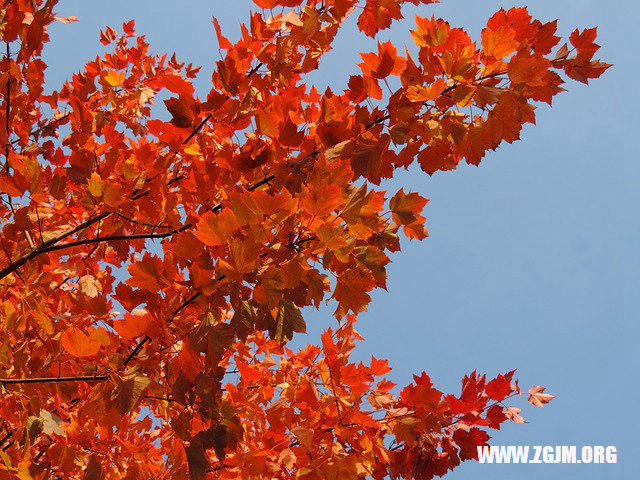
<point>159,225</point>
<point>39,225</point>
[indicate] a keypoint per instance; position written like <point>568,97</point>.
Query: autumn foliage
<point>153,271</point>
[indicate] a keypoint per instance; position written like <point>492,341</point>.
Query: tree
<point>213,230</point>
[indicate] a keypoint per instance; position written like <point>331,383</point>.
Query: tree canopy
<point>155,270</point>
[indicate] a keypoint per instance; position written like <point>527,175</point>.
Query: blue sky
<point>532,258</point>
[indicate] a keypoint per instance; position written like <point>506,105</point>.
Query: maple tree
<point>264,198</point>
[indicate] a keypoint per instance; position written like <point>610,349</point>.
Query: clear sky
<point>532,260</point>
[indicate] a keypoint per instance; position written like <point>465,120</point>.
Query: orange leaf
<point>248,372</point>
<point>78,344</point>
<point>321,201</point>
<point>406,208</point>
<point>108,35</point>
<point>183,110</point>
<point>215,229</point>
<point>530,70</point>
<point>421,93</point>
<point>243,254</point>
<point>148,274</point>
<point>8,186</point>
<point>114,78</point>
<point>499,43</point>
<point>287,458</point>
<point>304,435</point>
<point>351,291</point>
<point>134,325</point>
<point>81,117</point>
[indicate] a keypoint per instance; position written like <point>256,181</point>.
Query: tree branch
<point>147,338</point>
<point>80,378</point>
<point>110,238</point>
<point>14,265</point>
<point>261,182</point>
<point>159,225</point>
<point>197,129</point>
<point>8,113</point>
<point>45,247</point>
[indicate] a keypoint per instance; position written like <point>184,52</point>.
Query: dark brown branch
<point>154,397</point>
<point>6,437</point>
<point>175,179</point>
<point>6,251</point>
<point>254,69</point>
<point>81,378</point>
<point>8,114</point>
<point>197,129</point>
<point>14,265</point>
<point>261,182</point>
<point>42,127</point>
<point>40,454</point>
<point>50,246</point>
<point>297,243</point>
<point>264,181</point>
<point>187,302</point>
<point>376,121</point>
<point>112,238</point>
<point>147,338</point>
<point>137,349</point>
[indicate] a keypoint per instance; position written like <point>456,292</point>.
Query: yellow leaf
<point>100,335</point>
<point>10,315</point>
<point>192,149</point>
<point>89,285</point>
<point>114,78</point>
<point>95,184</point>
<point>23,470</point>
<point>6,460</point>
<point>44,321</point>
